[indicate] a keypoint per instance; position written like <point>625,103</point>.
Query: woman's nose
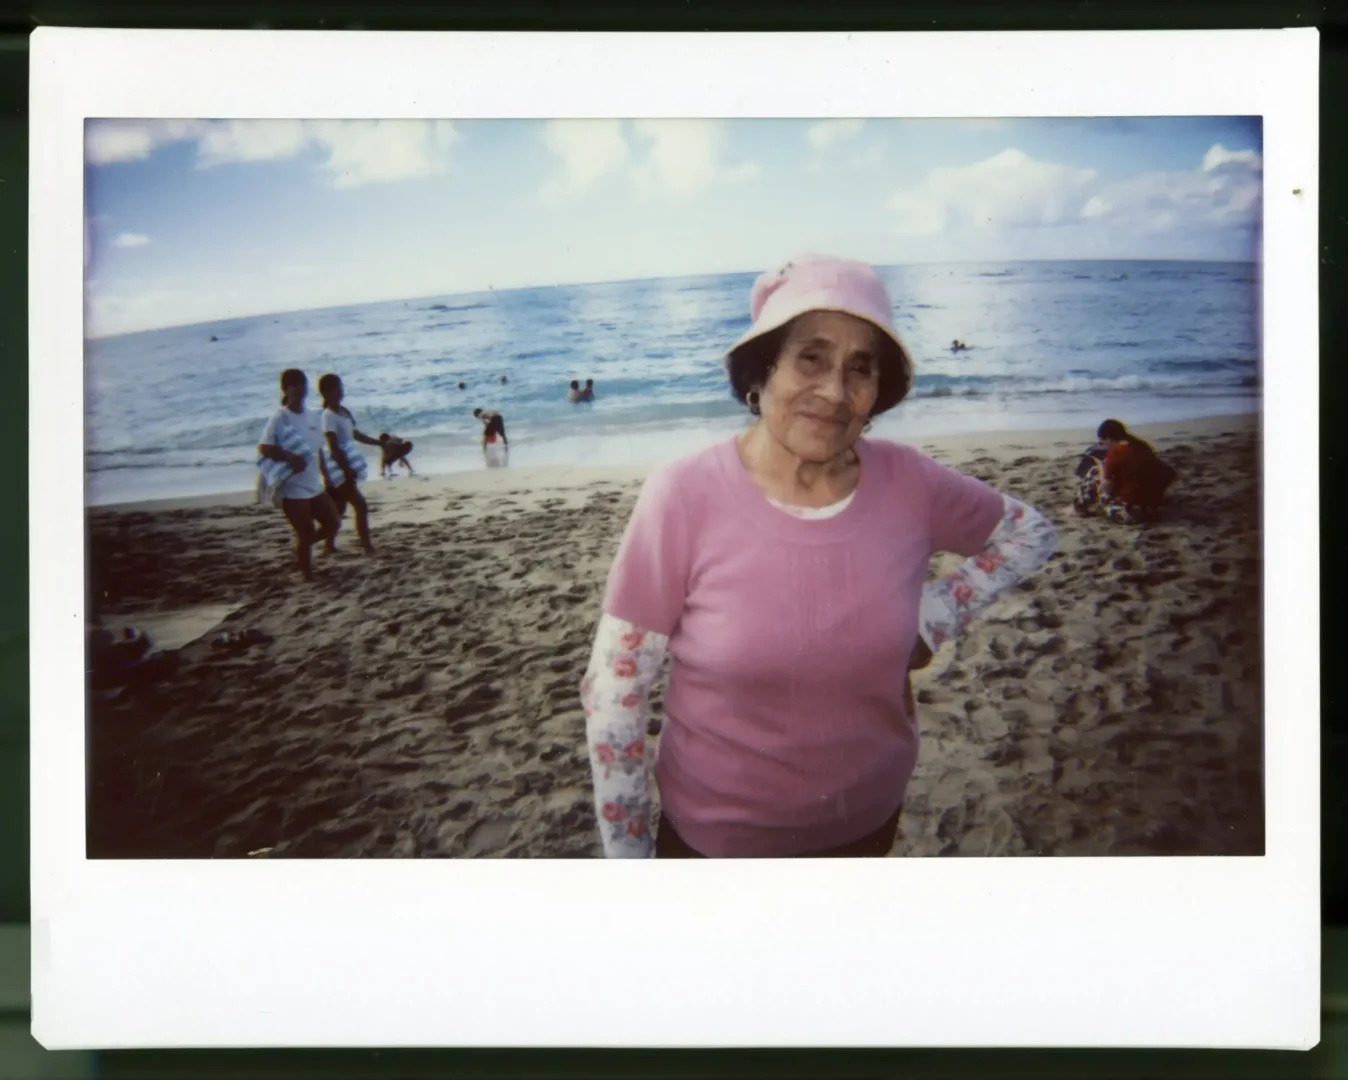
<point>833,387</point>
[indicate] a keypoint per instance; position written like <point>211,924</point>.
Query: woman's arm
<point>361,437</point>
<point>338,455</point>
<point>624,663</point>
<point>275,453</point>
<point>1023,541</point>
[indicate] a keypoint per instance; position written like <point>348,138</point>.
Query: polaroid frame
<point>1156,952</point>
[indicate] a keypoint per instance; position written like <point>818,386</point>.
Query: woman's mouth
<point>823,421</point>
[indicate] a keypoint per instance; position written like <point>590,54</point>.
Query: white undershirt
<point>815,513</point>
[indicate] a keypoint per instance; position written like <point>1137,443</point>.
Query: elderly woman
<point>783,572</point>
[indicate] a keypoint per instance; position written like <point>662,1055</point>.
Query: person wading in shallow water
<point>294,436</point>
<point>493,428</point>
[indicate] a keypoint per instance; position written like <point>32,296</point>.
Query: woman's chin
<point>817,450</point>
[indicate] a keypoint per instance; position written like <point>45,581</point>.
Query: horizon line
<point>615,281</point>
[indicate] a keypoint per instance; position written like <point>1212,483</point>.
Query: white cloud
<point>1096,207</point>
<point>355,152</point>
<point>1224,191</point>
<point>827,132</point>
<point>130,240</point>
<point>381,151</point>
<point>743,173</point>
<point>664,159</point>
<point>227,141</point>
<point>107,142</point>
<point>1220,156</point>
<point>589,151</point>
<point>1013,190</point>
<point>684,158</point>
<point>1008,190</point>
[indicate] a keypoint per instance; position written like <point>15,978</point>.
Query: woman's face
<point>821,392</point>
<point>295,394</point>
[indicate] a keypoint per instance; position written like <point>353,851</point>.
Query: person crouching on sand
<point>339,428</point>
<point>394,451</point>
<point>783,570</point>
<point>1131,480</point>
<point>294,436</point>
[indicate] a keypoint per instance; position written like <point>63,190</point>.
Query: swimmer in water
<point>574,393</point>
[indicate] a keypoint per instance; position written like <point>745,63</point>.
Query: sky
<point>195,221</point>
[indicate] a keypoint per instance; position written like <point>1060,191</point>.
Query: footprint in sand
<point>487,837</point>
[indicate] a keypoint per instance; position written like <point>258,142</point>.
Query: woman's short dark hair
<point>750,365</point>
<point>1114,429</point>
<point>291,377</point>
<point>327,384</point>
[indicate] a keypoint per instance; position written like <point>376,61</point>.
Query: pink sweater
<point>786,730</point>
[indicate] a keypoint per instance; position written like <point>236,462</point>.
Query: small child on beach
<point>394,451</point>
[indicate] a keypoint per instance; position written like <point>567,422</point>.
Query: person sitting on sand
<point>783,571</point>
<point>1130,481</point>
<point>339,428</point>
<point>294,437</point>
<point>394,451</point>
<point>493,427</point>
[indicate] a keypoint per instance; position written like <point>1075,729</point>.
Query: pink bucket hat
<point>823,283</point>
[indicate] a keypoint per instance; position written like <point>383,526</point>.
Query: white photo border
<point>979,952</point>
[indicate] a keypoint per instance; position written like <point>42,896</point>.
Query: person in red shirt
<point>1134,479</point>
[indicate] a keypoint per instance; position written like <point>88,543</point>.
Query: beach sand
<point>425,702</point>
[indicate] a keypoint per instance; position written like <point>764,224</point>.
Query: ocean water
<point>177,412</point>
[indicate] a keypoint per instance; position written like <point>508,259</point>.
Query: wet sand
<point>425,702</point>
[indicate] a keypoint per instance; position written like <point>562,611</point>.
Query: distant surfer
<point>958,346</point>
<point>463,386</point>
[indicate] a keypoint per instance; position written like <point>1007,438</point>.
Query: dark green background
<point>20,1058</point>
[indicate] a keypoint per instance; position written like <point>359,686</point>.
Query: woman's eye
<point>809,358</point>
<point>861,370</point>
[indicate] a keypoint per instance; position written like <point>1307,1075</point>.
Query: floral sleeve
<point>1023,541</point>
<point>625,662</point>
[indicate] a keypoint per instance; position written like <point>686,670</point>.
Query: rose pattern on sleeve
<point>624,663</point>
<point>1023,541</point>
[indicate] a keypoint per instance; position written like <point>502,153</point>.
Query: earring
<point>751,399</point>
